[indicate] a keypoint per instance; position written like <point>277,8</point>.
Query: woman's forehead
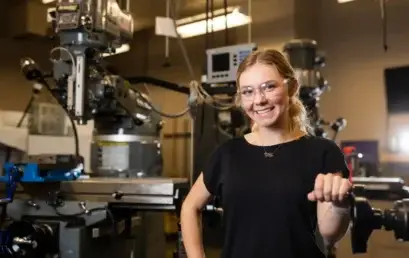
<point>259,74</point>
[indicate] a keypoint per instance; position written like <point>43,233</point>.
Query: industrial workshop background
<point>351,36</point>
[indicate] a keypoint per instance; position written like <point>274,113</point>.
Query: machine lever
<point>83,207</point>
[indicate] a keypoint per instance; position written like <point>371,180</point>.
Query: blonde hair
<point>296,112</point>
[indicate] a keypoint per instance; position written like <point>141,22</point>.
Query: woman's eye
<point>246,92</point>
<point>269,86</point>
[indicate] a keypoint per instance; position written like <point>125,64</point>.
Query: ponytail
<point>298,115</point>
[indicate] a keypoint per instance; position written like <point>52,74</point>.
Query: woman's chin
<point>266,122</point>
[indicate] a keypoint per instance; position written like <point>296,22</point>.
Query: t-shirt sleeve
<point>212,172</point>
<point>333,160</point>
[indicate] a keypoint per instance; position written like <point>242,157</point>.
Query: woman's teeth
<point>260,112</point>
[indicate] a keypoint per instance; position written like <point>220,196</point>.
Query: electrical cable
<point>194,85</point>
<point>158,111</point>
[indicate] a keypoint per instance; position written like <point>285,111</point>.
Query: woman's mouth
<point>264,111</point>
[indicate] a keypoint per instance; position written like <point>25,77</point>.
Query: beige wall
<point>351,35</point>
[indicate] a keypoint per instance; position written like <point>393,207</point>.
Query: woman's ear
<point>293,87</point>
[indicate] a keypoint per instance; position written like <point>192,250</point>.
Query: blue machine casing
<point>31,173</point>
<point>35,173</point>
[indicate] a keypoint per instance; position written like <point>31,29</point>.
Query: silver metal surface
<point>99,15</point>
<point>146,193</point>
<point>79,85</point>
<point>126,156</point>
<point>127,138</point>
<point>21,208</point>
<point>307,78</point>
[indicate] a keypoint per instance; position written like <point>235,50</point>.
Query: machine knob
<point>117,195</point>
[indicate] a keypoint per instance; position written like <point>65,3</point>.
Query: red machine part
<point>348,152</point>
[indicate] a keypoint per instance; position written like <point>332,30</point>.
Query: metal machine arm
<point>366,219</point>
<point>87,30</point>
<point>307,62</point>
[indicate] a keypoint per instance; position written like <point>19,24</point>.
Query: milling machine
<point>307,62</point>
<point>52,211</point>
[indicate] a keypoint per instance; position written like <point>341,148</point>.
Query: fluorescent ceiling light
<point>344,1</point>
<point>196,25</point>
<point>119,50</point>
<point>48,1</point>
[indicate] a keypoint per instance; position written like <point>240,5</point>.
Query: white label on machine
<point>113,155</point>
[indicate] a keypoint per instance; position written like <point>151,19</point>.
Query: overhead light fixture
<point>196,25</point>
<point>344,1</point>
<point>119,50</point>
<point>47,1</point>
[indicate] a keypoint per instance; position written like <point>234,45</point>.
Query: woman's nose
<point>259,97</point>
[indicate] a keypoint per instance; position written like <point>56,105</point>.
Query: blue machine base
<point>31,173</point>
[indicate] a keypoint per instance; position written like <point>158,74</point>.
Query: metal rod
<point>384,25</point>
<point>226,29</point>
<point>167,38</point>
<point>249,28</point>
<point>128,5</point>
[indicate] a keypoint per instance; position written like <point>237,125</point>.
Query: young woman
<point>277,182</point>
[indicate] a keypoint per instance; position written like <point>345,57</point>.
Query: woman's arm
<point>333,221</point>
<point>191,218</point>
<point>333,208</point>
<point>331,190</point>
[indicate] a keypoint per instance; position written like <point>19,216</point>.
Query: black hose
<point>164,84</point>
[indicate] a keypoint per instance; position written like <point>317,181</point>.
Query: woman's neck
<point>273,136</point>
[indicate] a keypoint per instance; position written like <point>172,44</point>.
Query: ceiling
<point>145,11</point>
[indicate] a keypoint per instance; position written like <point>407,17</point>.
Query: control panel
<point>222,63</point>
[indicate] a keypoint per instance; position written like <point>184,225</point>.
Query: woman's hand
<point>331,187</point>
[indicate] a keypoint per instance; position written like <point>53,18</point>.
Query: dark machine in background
<point>218,119</point>
<point>50,209</point>
<point>307,62</point>
<point>366,219</point>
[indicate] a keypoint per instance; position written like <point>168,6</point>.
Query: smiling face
<point>264,95</point>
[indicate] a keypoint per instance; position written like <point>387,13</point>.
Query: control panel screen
<point>221,62</point>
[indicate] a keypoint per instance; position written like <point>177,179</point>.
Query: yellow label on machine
<point>111,144</point>
<point>67,8</point>
<point>113,155</point>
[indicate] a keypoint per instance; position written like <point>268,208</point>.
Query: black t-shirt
<point>265,207</point>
